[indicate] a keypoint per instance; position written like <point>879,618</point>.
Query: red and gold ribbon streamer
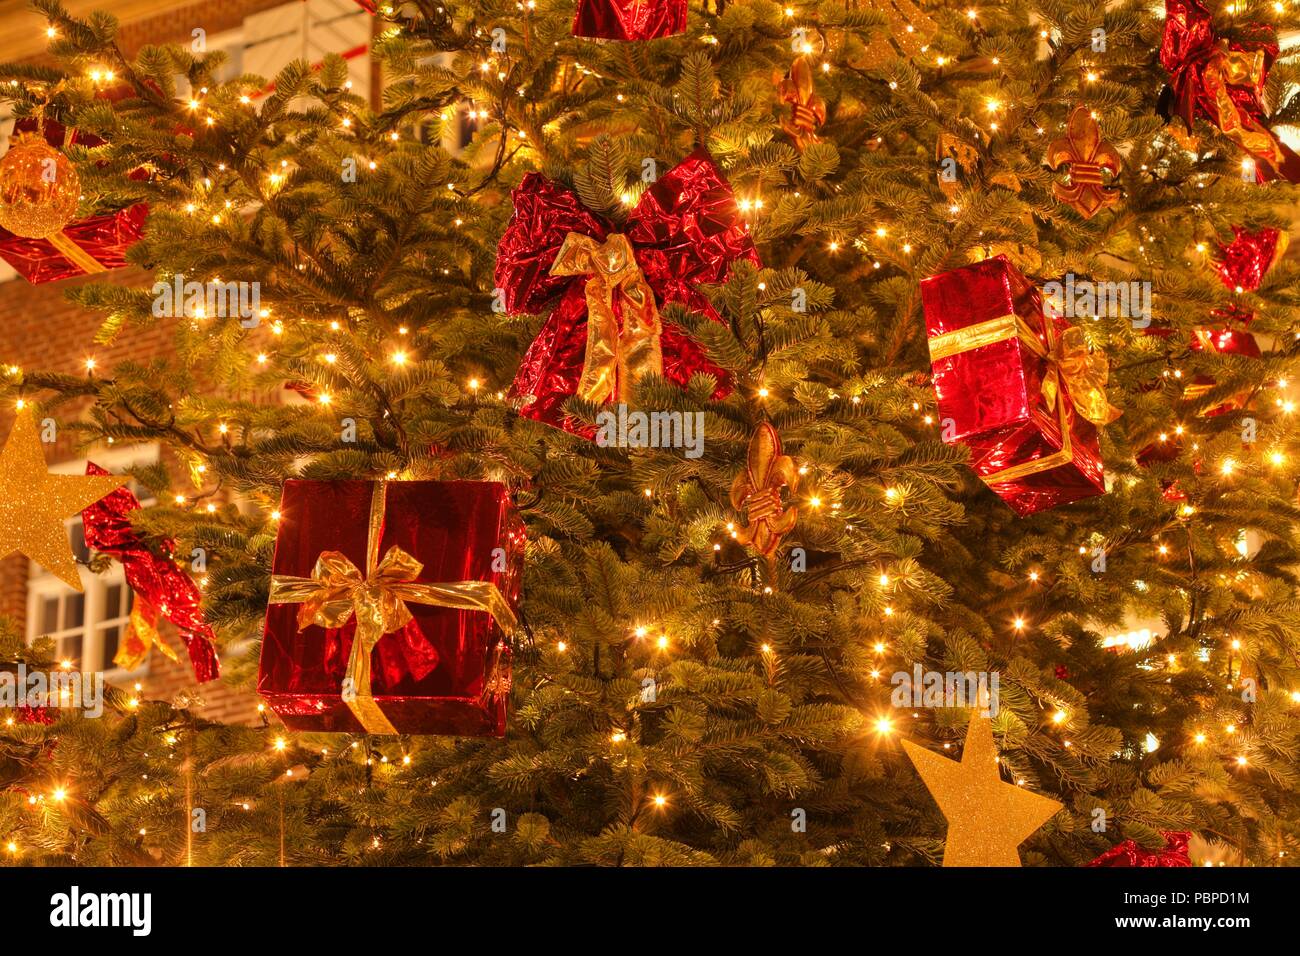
<point>337,589</point>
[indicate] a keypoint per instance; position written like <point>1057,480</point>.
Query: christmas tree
<point>742,306</point>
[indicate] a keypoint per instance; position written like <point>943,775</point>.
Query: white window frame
<point>42,585</point>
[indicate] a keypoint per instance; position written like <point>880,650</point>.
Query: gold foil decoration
<point>1227,68</point>
<point>337,589</point>
<point>988,818</point>
<point>139,636</point>
<point>908,31</point>
<point>756,491</point>
<point>1087,155</point>
<point>616,356</point>
<point>807,109</point>
<point>34,503</point>
<point>965,155</point>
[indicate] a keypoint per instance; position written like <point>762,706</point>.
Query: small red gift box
<point>1010,384</point>
<point>392,607</point>
<point>92,245</point>
<point>629,19</point>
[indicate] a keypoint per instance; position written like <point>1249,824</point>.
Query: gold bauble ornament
<point>39,189</point>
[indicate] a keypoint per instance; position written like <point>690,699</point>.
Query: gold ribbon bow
<point>337,589</point>
<point>1226,68</point>
<point>616,357</point>
<point>1070,365</point>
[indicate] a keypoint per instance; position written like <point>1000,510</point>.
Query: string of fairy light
<point>882,245</point>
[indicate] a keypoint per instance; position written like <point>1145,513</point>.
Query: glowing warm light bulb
<point>662,643</point>
<point>1018,624</point>
<point>561,646</point>
<point>1033,576</point>
<point>399,358</point>
<point>281,743</point>
<point>660,800</point>
<point>1059,717</point>
<point>884,725</point>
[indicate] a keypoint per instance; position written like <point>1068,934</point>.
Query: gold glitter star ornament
<point>988,818</point>
<point>34,503</point>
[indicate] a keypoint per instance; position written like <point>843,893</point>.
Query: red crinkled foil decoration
<point>1129,853</point>
<point>1210,77</point>
<point>629,19</point>
<point>157,580</point>
<point>685,231</point>
<point>1245,261</point>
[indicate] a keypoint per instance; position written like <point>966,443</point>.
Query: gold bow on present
<point>616,357</point>
<point>337,590</point>
<point>1070,366</point>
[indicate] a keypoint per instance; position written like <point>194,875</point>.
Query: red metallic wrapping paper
<point>1223,81</point>
<point>92,245</point>
<point>990,397</point>
<point>155,579</point>
<point>430,676</point>
<point>1128,853</point>
<point>684,231</point>
<point>629,19</point>
<point>1244,262</point>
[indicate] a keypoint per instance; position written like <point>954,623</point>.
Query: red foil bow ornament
<point>1130,853</point>
<point>807,109</point>
<point>1223,81</point>
<point>154,579</point>
<point>629,19</point>
<point>604,331</point>
<point>1087,155</point>
<point>756,493</point>
<point>1245,261</point>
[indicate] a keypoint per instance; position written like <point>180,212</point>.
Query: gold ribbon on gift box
<point>615,357</point>
<point>337,589</point>
<point>78,256</point>
<point>1070,368</point>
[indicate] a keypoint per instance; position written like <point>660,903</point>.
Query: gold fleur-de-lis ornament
<point>1089,157</point>
<point>756,494</point>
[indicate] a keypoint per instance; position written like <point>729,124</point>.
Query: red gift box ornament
<point>1016,386</point>
<point>85,247</point>
<point>1223,81</point>
<point>629,19</point>
<point>604,332</point>
<point>375,645</point>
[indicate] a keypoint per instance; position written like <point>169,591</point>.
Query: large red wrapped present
<point>1019,388</point>
<point>91,245</point>
<point>629,19</point>
<point>392,607</point>
<point>608,281</point>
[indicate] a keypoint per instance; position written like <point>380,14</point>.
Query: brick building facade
<point>40,328</point>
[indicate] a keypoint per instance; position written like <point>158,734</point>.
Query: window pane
<point>74,611</point>
<point>78,535</point>
<point>49,615</point>
<point>113,601</point>
<point>109,637</point>
<point>70,650</point>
